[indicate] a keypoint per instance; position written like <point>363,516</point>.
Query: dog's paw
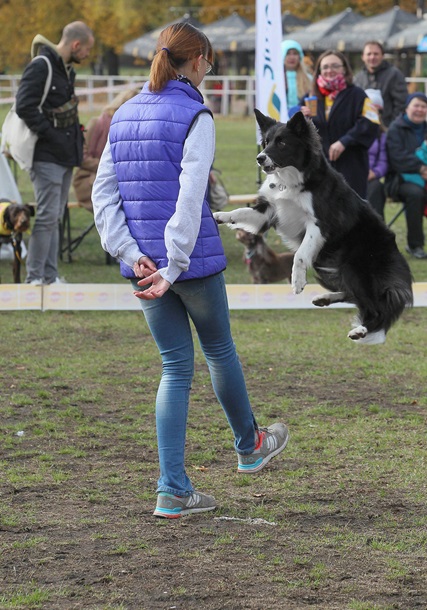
<point>357,333</point>
<point>298,285</point>
<point>222,217</point>
<point>321,301</point>
<point>375,338</point>
<point>299,280</point>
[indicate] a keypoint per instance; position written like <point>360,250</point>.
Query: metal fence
<point>225,95</point>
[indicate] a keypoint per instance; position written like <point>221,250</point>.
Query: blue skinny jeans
<point>204,301</point>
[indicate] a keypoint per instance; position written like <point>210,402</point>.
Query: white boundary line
<point>112,297</point>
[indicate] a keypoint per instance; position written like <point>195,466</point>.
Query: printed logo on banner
<point>274,104</point>
<point>270,80</point>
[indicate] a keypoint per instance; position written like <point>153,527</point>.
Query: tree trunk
<point>111,60</point>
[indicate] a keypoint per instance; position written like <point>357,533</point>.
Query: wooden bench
<point>242,199</point>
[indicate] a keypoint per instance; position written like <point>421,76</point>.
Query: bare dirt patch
<point>338,521</point>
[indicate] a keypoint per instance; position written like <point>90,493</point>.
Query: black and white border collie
<point>328,226</point>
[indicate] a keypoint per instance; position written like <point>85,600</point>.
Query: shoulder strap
<point>48,80</point>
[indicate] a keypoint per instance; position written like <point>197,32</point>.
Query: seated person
<point>405,135</point>
<point>96,136</point>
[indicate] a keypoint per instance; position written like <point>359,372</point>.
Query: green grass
<point>347,498</point>
<point>374,396</point>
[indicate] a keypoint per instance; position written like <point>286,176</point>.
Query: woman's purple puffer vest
<point>147,137</point>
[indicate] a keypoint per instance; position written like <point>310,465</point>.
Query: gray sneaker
<point>173,507</point>
<point>58,280</point>
<point>271,441</point>
<point>418,252</point>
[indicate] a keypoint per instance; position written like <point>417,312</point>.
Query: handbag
<point>392,183</point>
<point>18,141</point>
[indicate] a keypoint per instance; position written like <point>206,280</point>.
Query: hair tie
<point>166,49</point>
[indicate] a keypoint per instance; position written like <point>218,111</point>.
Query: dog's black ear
<point>30,209</point>
<point>298,124</point>
<point>264,122</point>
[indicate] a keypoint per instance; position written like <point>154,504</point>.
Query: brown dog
<point>14,220</point>
<point>265,265</point>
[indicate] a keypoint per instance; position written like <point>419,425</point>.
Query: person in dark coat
<point>346,119</point>
<point>59,147</point>
<point>405,135</point>
<point>378,73</point>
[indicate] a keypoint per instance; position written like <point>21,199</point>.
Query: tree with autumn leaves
<point>313,10</point>
<point>115,22</point>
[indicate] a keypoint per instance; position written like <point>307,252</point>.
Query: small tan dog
<point>265,265</point>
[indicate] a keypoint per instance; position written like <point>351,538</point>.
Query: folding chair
<point>68,245</point>
<point>396,216</point>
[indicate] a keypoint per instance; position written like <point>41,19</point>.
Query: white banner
<point>119,297</point>
<point>270,78</point>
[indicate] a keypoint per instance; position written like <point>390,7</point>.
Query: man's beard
<point>74,59</point>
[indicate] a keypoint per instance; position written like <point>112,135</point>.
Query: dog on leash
<point>328,226</point>
<point>265,265</point>
<point>15,220</point>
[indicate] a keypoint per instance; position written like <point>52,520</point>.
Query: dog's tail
<point>388,308</point>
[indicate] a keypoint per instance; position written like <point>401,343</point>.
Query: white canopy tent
<point>8,187</point>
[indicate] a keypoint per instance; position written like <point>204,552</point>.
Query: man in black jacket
<point>59,146</point>
<point>379,74</point>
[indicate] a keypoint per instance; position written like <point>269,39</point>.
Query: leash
<point>249,255</point>
<point>15,247</point>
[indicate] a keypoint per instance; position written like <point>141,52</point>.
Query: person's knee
<point>47,220</point>
<point>178,366</point>
<point>376,190</point>
<point>411,193</point>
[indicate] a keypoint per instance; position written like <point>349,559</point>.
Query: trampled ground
<point>339,521</point>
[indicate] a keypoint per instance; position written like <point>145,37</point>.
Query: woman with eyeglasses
<point>151,210</point>
<point>347,120</point>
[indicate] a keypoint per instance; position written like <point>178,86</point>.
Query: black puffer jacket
<point>401,142</point>
<point>63,146</point>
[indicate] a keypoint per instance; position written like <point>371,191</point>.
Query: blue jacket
<point>147,137</point>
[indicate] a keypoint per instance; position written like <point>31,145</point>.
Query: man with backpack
<point>59,147</point>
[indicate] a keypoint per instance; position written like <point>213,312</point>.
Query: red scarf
<point>330,88</point>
